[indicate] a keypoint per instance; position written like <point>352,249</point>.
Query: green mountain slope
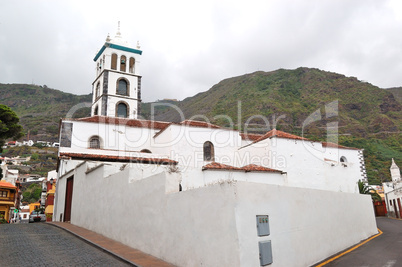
<point>364,109</point>
<point>40,108</point>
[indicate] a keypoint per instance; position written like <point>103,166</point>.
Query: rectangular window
<point>3,193</point>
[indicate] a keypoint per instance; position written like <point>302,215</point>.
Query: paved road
<point>383,251</point>
<point>40,244</point>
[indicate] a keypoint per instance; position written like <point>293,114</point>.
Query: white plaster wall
<point>308,169</point>
<point>192,228</point>
<point>258,153</point>
<point>219,176</point>
<point>185,144</point>
<point>117,138</point>
<point>59,198</point>
<point>305,164</point>
<point>306,225</point>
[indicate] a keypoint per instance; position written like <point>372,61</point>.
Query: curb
<point>95,245</point>
<point>348,250</point>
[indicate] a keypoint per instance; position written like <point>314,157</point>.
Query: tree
<point>9,127</point>
<point>32,193</point>
<point>368,190</point>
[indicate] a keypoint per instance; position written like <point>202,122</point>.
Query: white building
<point>28,143</point>
<point>10,176</point>
<point>393,192</point>
<point>193,193</point>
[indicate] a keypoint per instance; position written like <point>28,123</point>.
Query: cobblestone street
<point>40,244</point>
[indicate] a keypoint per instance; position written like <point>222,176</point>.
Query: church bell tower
<point>117,86</point>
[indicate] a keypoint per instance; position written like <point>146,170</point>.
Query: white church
<point>196,194</point>
<point>393,192</point>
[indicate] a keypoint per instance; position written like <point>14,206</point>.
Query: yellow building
<point>33,206</point>
<point>7,199</point>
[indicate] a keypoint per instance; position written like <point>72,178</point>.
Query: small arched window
<point>97,90</point>
<point>122,87</point>
<point>145,151</point>
<point>94,142</point>
<point>96,111</point>
<point>344,161</point>
<point>131,65</point>
<point>114,62</point>
<point>123,63</point>
<point>122,110</point>
<point>209,153</point>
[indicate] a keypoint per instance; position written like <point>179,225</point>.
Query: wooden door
<point>69,199</point>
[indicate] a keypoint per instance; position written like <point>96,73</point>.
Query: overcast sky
<point>188,46</point>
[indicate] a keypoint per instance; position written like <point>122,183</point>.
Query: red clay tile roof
<point>258,168</point>
<point>247,168</point>
<point>251,137</point>
<point>220,166</point>
<point>329,144</point>
<point>202,124</point>
<point>163,161</point>
<point>5,184</point>
<point>122,121</point>
<point>280,134</point>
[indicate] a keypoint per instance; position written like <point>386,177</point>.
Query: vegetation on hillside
<point>32,193</point>
<point>42,160</point>
<point>9,127</point>
<point>40,108</point>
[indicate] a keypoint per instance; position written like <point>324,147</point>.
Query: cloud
<point>190,46</point>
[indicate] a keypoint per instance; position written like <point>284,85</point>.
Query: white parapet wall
<point>306,225</point>
<point>215,225</point>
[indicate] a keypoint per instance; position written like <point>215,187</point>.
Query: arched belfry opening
<point>122,87</point>
<point>131,65</point>
<point>114,62</point>
<point>122,110</point>
<point>123,63</point>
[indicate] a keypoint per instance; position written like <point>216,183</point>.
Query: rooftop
<point>247,168</point>
<point>150,160</point>
<point>122,121</point>
<point>4,184</point>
